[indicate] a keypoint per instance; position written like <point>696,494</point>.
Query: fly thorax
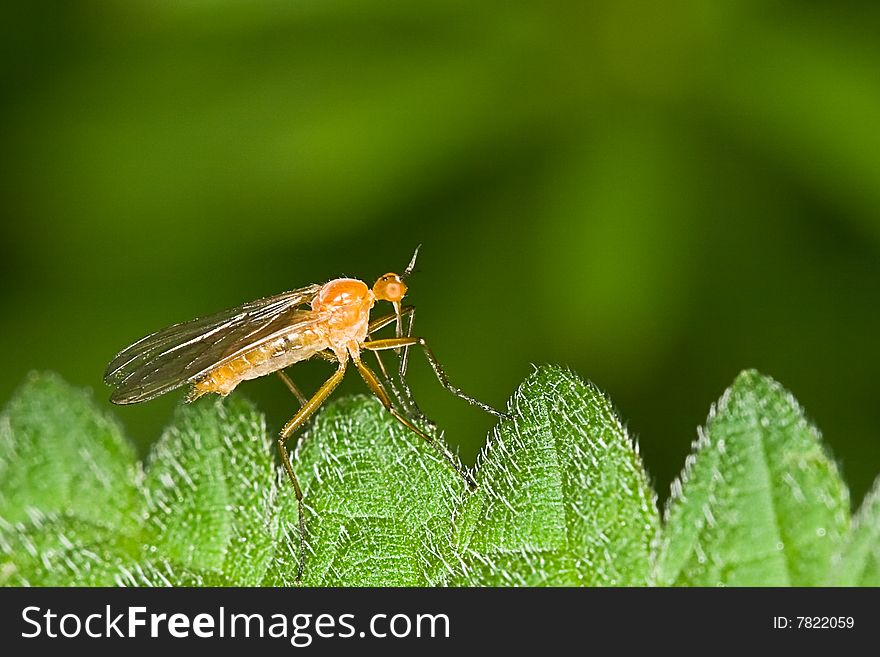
<point>345,304</point>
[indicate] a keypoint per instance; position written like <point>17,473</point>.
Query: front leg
<point>396,343</point>
<point>403,395</point>
<point>376,387</point>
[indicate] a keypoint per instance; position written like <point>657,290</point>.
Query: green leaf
<point>859,561</point>
<point>759,502</point>
<point>210,490</point>
<point>562,499</point>
<point>161,572</point>
<point>63,550</point>
<point>379,502</point>
<point>60,455</point>
<point>207,514</point>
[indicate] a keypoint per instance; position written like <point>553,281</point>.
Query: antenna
<point>412,263</point>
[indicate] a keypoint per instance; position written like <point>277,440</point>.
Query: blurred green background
<point>656,194</point>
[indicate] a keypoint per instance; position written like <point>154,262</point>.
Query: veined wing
<point>179,354</point>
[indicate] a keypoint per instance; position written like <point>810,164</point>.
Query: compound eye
<point>389,288</point>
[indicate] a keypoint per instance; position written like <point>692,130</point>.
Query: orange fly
<point>332,321</point>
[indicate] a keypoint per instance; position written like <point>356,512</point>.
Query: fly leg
<point>396,343</point>
<point>301,398</point>
<point>295,389</point>
<point>301,417</point>
<point>376,387</point>
<point>386,378</point>
<point>404,396</point>
<point>404,362</point>
<point>405,401</point>
<point>385,320</point>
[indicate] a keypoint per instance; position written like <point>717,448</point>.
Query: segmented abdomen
<point>265,358</point>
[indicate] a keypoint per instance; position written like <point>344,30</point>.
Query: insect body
<point>216,353</point>
<point>339,322</point>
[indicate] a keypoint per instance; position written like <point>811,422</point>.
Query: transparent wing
<point>179,354</point>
